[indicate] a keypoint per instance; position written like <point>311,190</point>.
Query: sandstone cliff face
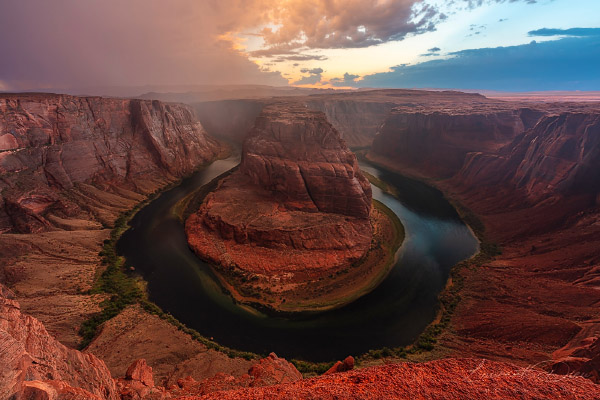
<point>439,141</point>
<point>33,362</point>
<point>298,206</point>
<point>358,121</point>
<point>537,195</point>
<point>558,157</point>
<point>297,154</point>
<point>50,144</point>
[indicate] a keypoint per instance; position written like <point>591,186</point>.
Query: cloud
<point>565,64</point>
<point>314,71</point>
<point>347,80</point>
<point>580,32</point>
<point>300,57</point>
<point>434,51</point>
<point>318,24</point>
<point>478,3</point>
<point>313,78</point>
<point>297,25</point>
<point>73,43</point>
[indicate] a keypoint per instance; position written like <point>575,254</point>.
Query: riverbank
<point>425,347</point>
<point>331,292</point>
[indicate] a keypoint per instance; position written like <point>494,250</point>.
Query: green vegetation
<point>312,368</point>
<point>123,289</point>
<point>450,297</point>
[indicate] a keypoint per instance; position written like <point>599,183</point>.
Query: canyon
<point>537,197</point>
<point>69,166</point>
<point>297,211</point>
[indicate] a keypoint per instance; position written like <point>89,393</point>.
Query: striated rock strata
<point>56,150</point>
<point>33,362</point>
<point>538,197</point>
<point>437,141</point>
<point>298,207</point>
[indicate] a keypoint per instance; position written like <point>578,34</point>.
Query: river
<point>391,315</point>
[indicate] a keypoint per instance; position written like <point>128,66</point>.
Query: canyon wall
<point>357,120</point>
<point>296,153</point>
<point>32,361</point>
<point>297,207</point>
<point>357,116</point>
<point>52,146</point>
<point>537,196</point>
<point>229,120</point>
<point>560,156</point>
<point>437,142</point>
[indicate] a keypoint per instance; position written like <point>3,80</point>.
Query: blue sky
<point>508,47</point>
<point>461,44</point>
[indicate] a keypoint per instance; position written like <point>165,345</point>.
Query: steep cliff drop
<point>56,151</point>
<point>538,197</point>
<point>34,365</point>
<point>296,212</point>
<point>68,167</point>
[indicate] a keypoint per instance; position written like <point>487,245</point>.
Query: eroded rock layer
<point>538,197</point>
<point>297,208</point>
<point>438,141</point>
<point>52,146</point>
<point>28,353</point>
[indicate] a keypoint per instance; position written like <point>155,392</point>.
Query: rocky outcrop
<point>449,379</point>
<point>297,208</point>
<point>537,195</point>
<point>296,154</point>
<point>50,145</point>
<point>35,365</point>
<point>342,366</point>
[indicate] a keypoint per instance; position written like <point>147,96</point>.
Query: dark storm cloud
<point>67,43</point>
<point>565,64</point>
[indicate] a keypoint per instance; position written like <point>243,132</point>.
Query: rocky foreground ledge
<point>34,365</point>
<point>297,211</point>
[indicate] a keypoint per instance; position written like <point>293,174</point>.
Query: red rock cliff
<point>559,156</point>
<point>32,362</point>
<point>298,206</point>
<point>49,144</point>
<point>438,141</point>
<point>295,153</point>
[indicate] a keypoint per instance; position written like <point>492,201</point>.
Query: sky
<point>506,45</point>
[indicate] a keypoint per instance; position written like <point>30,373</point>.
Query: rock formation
<point>560,156</point>
<point>448,379</point>
<point>438,141</point>
<point>35,366</point>
<point>537,196</point>
<point>32,362</point>
<point>53,146</point>
<point>298,207</point>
